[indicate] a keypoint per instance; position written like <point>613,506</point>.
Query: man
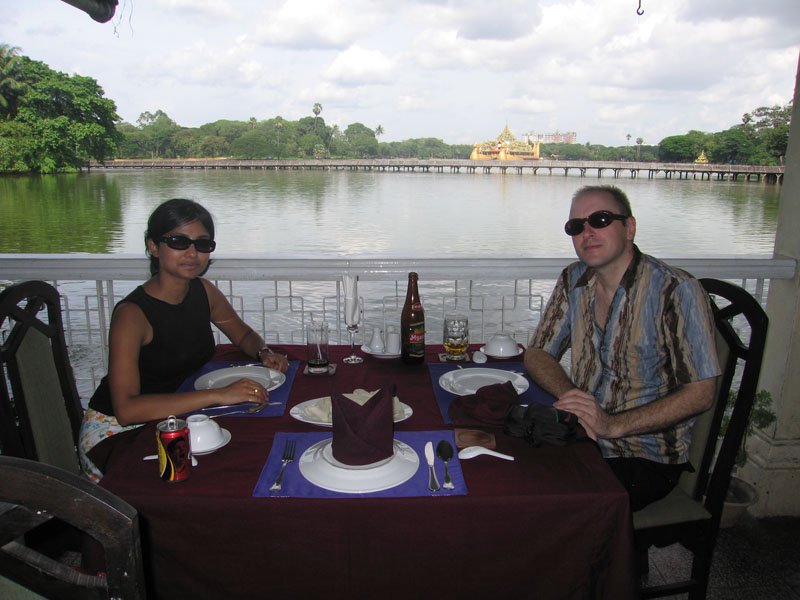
<point>643,358</point>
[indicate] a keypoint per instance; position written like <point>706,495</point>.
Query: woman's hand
<point>271,360</point>
<point>243,390</point>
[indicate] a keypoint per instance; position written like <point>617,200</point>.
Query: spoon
<point>445,451</point>
<point>473,451</point>
<point>479,357</point>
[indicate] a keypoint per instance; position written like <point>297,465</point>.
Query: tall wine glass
<point>352,316</point>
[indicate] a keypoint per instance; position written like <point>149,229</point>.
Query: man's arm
<point>687,401</point>
<point>547,372</point>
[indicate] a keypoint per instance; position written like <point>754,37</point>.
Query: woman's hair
<point>171,214</point>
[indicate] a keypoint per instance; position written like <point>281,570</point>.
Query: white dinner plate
<point>300,412</point>
<point>318,466</point>
<point>487,353</point>
<point>269,378</point>
<point>367,350</point>
<point>468,381</point>
<point>226,437</point>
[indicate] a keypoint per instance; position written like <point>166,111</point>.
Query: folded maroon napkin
<point>487,407</point>
<point>363,433</point>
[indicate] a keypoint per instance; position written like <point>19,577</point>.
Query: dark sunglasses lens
<point>600,219</point>
<point>573,227</point>
<point>177,242</point>
<point>205,246</point>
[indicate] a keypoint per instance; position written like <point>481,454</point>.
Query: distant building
<point>505,147</point>
<point>557,137</point>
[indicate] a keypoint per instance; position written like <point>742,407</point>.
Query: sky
<point>456,70</point>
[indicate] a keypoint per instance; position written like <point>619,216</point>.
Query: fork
<point>288,456</point>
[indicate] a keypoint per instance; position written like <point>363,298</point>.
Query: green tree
<point>361,140</point>
<point>681,148</point>
<point>11,87</point>
<point>158,130</point>
<point>61,122</point>
<point>316,109</point>
<point>733,146</point>
<point>768,127</point>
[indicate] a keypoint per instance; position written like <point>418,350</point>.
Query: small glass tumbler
<point>455,337</point>
<point>317,344</point>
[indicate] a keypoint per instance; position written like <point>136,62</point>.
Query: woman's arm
<point>240,333</point>
<point>130,330</point>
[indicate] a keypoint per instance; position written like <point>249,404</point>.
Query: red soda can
<point>174,451</point>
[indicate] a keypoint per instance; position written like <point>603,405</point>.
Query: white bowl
<point>204,433</point>
<point>502,344</point>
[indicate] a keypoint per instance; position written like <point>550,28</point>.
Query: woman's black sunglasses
<point>181,242</point>
<point>598,220</point>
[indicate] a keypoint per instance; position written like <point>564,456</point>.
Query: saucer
<point>318,466</point>
<point>487,353</point>
<point>226,437</point>
<point>383,355</point>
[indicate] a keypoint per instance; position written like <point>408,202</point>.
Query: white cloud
<point>211,8</point>
<point>525,104</point>
<point>431,68</point>
<point>360,66</point>
<point>305,24</point>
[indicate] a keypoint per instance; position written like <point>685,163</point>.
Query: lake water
<point>371,214</point>
<point>367,214</point>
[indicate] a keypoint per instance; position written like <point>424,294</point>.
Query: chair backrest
<point>741,334</point>
<point>32,493</point>
<point>40,409</point>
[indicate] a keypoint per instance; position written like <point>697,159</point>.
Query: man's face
<point>608,245</point>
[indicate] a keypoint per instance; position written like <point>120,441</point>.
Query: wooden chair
<point>40,410</point>
<point>690,514</point>
<point>33,494</point>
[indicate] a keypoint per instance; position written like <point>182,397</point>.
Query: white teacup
<point>502,344</point>
<point>204,433</point>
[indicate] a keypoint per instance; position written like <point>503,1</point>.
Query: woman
<point>161,333</point>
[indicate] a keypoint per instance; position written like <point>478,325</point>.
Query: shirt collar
<point>627,278</point>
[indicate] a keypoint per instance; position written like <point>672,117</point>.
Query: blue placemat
<point>294,485</point>
<point>279,395</point>
<point>533,395</point>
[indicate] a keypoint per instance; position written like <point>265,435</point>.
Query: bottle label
<point>416,339</point>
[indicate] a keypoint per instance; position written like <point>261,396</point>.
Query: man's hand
<point>591,416</point>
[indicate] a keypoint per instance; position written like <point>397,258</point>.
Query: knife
<point>433,483</point>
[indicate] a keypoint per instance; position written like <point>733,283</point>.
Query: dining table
<point>552,523</point>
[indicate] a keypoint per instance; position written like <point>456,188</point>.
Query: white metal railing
<point>278,296</point>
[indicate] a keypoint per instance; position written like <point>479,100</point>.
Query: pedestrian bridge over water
<point>717,172</point>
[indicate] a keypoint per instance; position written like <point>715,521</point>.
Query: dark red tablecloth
<point>554,523</point>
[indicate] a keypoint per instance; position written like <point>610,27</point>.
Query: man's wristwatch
<point>261,352</point>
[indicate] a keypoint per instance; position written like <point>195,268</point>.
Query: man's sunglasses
<point>181,242</point>
<point>597,220</point>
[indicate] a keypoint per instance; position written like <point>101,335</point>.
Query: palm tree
<point>316,110</point>
<point>628,137</point>
<point>10,85</point>
<point>378,131</point>
<point>639,142</point>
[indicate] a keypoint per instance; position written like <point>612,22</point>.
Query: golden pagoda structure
<point>505,147</point>
<point>702,159</point>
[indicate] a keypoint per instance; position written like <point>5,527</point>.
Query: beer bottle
<point>412,325</point>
